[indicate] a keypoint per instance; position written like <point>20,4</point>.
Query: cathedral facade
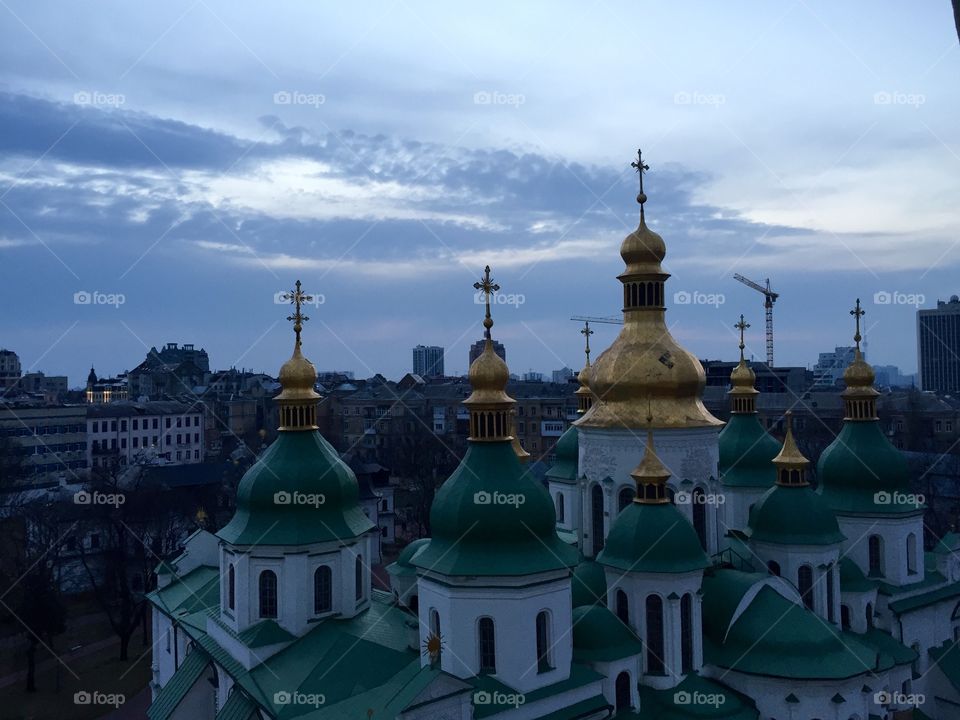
<point>672,566</point>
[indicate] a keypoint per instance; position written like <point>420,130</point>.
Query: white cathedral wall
<point>820,560</point>
<point>925,628</point>
<point>815,696</point>
<point>894,532</point>
<point>571,505</point>
<point>163,659</point>
<point>513,604</point>
<point>734,514</point>
<point>689,454</point>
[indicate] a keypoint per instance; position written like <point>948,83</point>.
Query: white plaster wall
<point>822,560</point>
<point>514,611</point>
<point>894,531</point>
<point>735,513</point>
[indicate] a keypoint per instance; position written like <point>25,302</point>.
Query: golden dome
<point>743,377</point>
<point>643,250</point>
<point>859,374</point>
<point>488,375</point>
<point>790,455</point>
<point>650,476</point>
<point>645,364</point>
<point>297,377</point>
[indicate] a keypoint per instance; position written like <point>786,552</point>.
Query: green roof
<point>263,633</point>
<point>653,538</point>
<point>580,675</point>
<point>403,565</point>
<point>746,452</point>
<point>668,704</point>
<point>852,578</point>
<point>492,517</point>
<point>298,492</point>
<point>883,642</point>
<point>567,458</point>
<point>947,658</point>
<point>588,583</point>
<point>237,707</point>
<point>774,636</point>
<point>197,590</point>
<point>947,592</point>
<point>599,635</point>
<point>793,516</point>
<point>948,544</point>
<point>859,464</point>
<point>178,685</point>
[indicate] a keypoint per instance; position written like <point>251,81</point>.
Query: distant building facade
<point>126,432</point>
<point>828,372</point>
<point>52,438</point>
<point>938,346</point>
<point>105,390</point>
<point>9,369</point>
<point>169,372</point>
<point>428,361</point>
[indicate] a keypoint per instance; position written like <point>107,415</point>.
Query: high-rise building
<point>9,369</point>
<point>563,375</point>
<point>477,348</point>
<point>428,361</point>
<point>938,346</point>
<point>828,371</point>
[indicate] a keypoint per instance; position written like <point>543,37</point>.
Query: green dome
<point>491,517</point>
<point>746,450</point>
<point>598,635</point>
<point>403,565</point>
<point>640,527</point>
<point>859,464</point>
<point>298,492</point>
<point>793,516</point>
<point>589,583</point>
<point>566,457</point>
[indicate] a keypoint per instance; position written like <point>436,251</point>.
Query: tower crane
<point>608,320</point>
<point>769,298</point>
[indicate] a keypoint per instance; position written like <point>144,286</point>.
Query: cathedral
<point>671,567</point>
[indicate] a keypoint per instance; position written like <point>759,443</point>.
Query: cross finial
<point>742,326</point>
<point>587,332</point>
<point>641,168</point>
<point>858,313</point>
<point>487,287</point>
<point>297,298</point>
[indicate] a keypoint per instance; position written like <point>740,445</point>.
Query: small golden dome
<point>297,377</point>
<point>488,375</point>
<point>583,377</point>
<point>859,374</point>
<point>790,455</point>
<point>643,250</point>
<point>743,377</point>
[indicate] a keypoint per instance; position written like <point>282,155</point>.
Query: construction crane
<point>608,320</point>
<point>769,298</point>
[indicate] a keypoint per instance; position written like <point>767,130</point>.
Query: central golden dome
<point>646,371</point>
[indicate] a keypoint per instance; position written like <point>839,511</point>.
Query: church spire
<point>859,397</point>
<point>650,475</point>
<point>583,393</point>
<point>743,394</point>
<point>791,463</point>
<point>298,399</point>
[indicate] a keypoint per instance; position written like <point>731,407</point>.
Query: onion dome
<point>645,363</point>
<point>791,513</point>
<point>566,457</point>
<point>492,517</point>
<point>651,534</point>
<point>588,583</point>
<point>746,448</point>
<point>600,636</point>
<point>299,491</point>
<point>403,565</point>
<point>91,377</point>
<point>861,472</point>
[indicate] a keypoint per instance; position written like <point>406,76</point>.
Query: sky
<point>166,169</point>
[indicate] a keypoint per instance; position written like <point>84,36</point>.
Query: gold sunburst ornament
<point>432,646</point>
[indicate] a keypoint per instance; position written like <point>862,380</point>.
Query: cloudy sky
<point>176,164</point>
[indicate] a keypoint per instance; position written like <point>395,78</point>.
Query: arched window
<point>322,590</point>
<point>487,645</point>
<point>805,585</point>
<point>623,607</point>
<point>845,617</point>
<point>231,586</point>
<point>623,692</point>
<point>596,502</point>
<point>543,641</point>
<point>655,664</point>
<point>700,515</point>
<point>435,630</point>
<point>625,497</point>
<point>875,548</point>
<point>912,554</point>
<point>560,509</point>
<point>268,594</point>
<point>869,614</point>
<point>686,633</point>
<point>831,615</point>
<point>358,577</point>
<point>774,567</point>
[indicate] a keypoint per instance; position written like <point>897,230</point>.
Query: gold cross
<point>741,326</point>
<point>297,298</point>
<point>587,332</point>
<point>487,287</point>
<point>858,312</point>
